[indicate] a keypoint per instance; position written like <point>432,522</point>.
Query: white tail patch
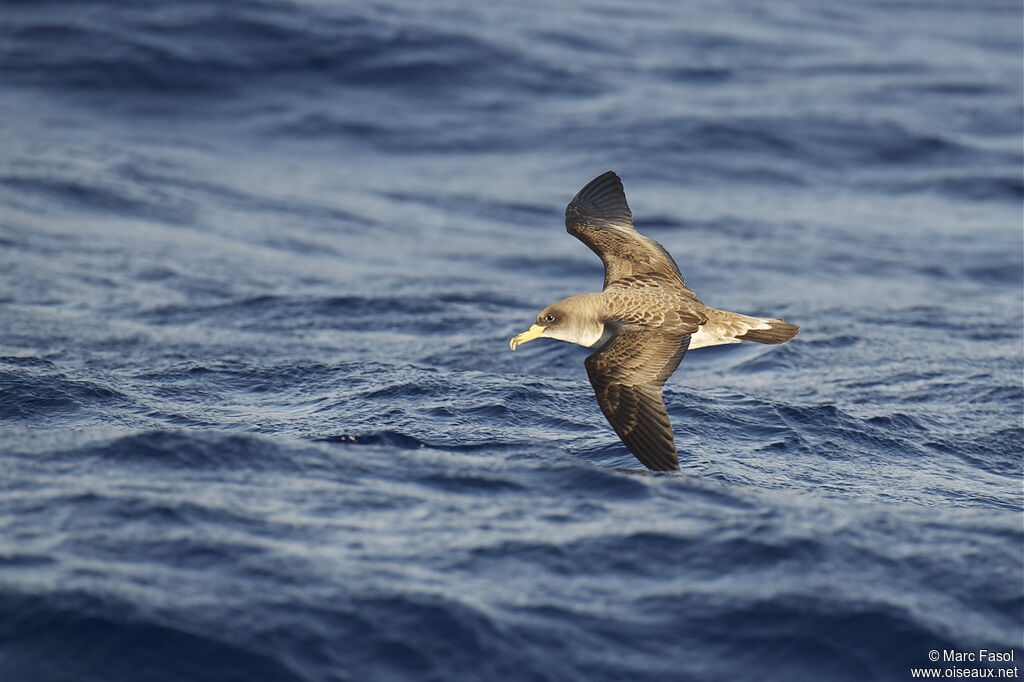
<point>705,337</point>
<point>723,328</point>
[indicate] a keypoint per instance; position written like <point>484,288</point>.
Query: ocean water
<point>260,261</point>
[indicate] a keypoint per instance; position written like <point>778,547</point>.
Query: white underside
<point>702,338</point>
<point>705,337</point>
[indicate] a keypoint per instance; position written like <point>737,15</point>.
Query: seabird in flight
<point>640,325</point>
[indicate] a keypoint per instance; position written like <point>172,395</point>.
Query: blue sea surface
<point>260,262</point>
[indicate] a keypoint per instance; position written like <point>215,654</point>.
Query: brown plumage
<point>641,324</point>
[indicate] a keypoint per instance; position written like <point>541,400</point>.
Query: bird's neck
<point>586,328</point>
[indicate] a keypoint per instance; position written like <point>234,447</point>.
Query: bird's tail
<point>724,327</point>
<point>778,331</point>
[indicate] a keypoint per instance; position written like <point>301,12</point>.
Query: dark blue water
<point>259,263</point>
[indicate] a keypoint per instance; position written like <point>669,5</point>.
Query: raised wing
<point>600,218</point>
<point>627,374</point>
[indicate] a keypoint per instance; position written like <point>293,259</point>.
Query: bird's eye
<point>549,317</point>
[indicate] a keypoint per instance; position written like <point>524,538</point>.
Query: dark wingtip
<point>602,198</point>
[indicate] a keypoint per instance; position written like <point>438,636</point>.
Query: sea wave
<point>486,598</point>
<point>260,262</point>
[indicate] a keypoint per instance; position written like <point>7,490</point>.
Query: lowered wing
<point>627,374</point>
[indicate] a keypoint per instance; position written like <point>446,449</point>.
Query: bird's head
<point>573,319</point>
